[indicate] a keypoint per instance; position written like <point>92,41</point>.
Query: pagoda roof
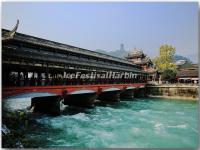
<point>135,53</point>
<point>143,61</point>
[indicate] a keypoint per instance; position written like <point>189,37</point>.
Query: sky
<point>105,25</point>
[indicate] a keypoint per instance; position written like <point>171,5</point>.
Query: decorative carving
<point>10,34</point>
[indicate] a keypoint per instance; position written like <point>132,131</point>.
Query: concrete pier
<point>82,98</point>
<point>127,94</point>
<point>110,95</point>
<point>46,104</point>
<point>140,91</point>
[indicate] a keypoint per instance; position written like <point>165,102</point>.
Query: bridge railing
<point>37,81</point>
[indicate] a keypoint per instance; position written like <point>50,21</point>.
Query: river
<point>141,123</point>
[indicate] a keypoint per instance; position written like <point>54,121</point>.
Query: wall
<point>189,92</point>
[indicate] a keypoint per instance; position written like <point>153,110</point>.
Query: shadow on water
<point>117,105</point>
<point>73,110</point>
<point>134,104</point>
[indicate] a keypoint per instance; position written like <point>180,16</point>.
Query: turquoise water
<point>142,123</point>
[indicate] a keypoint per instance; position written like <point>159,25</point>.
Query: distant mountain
<point>121,53</point>
<point>117,53</point>
<point>179,57</point>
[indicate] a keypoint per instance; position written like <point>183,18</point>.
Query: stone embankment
<point>173,91</point>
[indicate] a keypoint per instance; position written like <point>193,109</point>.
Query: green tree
<point>164,63</point>
<point>168,75</point>
<point>165,59</point>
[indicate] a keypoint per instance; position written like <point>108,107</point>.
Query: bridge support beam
<point>25,73</point>
<point>39,79</point>
<point>18,78</point>
<point>46,104</point>
<point>47,78</point>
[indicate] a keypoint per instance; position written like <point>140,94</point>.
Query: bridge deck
<point>60,90</point>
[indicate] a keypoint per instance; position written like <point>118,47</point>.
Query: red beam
<point>12,91</point>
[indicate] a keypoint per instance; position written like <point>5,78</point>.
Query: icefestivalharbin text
<point>104,75</point>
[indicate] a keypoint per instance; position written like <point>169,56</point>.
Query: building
<point>139,58</point>
<point>187,73</point>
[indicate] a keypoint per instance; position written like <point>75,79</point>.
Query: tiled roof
<point>187,66</point>
<point>187,73</point>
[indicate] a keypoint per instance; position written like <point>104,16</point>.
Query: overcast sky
<point>107,25</point>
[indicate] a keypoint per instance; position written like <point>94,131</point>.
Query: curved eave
<point>10,34</point>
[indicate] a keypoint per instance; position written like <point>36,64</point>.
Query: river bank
<point>173,91</point>
<point>174,97</point>
<point>14,126</point>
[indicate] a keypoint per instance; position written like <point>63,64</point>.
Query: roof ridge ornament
<point>10,34</point>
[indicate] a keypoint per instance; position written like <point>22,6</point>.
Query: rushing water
<point>142,123</point>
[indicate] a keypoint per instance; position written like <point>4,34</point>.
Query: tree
<point>164,63</point>
<point>168,75</point>
<point>165,60</point>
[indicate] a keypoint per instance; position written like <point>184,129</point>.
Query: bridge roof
<point>19,37</point>
<point>65,47</point>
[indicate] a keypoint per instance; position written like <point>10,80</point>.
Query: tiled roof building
<point>187,73</point>
<point>139,58</point>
